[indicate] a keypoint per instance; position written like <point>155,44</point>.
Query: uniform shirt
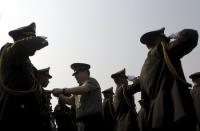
<point>167,98</point>
<point>195,92</point>
<point>91,102</point>
<point>18,74</point>
<point>117,97</point>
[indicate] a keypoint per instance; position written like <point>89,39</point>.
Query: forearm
<point>185,41</point>
<point>76,90</point>
<point>27,47</point>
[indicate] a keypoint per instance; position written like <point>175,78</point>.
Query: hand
<point>57,91</point>
<point>66,93</point>
<point>137,79</point>
<point>174,36</point>
<point>131,78</point>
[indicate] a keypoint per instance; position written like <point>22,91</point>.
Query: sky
<point>103,33</point>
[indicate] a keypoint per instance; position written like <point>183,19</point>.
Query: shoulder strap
<point>170,66</point>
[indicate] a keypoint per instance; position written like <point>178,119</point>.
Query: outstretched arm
<point>73,90</point>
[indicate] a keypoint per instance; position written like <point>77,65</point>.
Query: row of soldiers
<point>122,119</point>
<point>166,102</point>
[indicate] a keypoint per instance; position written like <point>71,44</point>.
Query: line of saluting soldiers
<point>166,101</point>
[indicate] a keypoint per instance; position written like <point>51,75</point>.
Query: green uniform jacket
<point>108,114</point>
<point>125,113</point>
<point>20,111</point>
<point>195,92</point>
<point>168,100</point>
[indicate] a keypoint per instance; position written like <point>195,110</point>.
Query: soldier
<point>46,116</point>
<point>86,98</point>
<point>43,77</point>
<point>141,117</point>
<point>124,105</point>
<point>19,90</point>
<point>108,110</point>
<point>196,96</point>
<point>165,92</point>
<point>64,117</point>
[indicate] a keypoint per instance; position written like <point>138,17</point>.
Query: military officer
<point>43,76</point>
<point>124,105</point>
<point>46,113</point>
<point>64,117</point>
<point>19,90</point>
<point>86,97</point>
<point>195,92</point>
<point>108,110</point>
<point>164,89</point>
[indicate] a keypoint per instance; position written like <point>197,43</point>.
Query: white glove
<point>131,78</point>
<point>173,36</point>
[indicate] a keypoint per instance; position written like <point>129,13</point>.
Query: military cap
<point>195,75</point>
<point>149,36</point>
<point>121,73</point>
<point>108,91</point>
<point>45,72</point>
<point>23,32</point>
<point>79,67</point>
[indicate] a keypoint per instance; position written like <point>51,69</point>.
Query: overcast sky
<point>103,33</point>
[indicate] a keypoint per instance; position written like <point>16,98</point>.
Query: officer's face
<point>44,80</point>
<point>107,95</point>
<point>80,76</point>
<point>151,43</point>
<point>196,82</point>
<point>121,81</point>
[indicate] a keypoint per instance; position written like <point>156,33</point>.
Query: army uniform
<point>141,117</point>
<point>195,92</point>
<point>124,105</point>
<point>89,106</point>
<point>64,117</point>
<point>86,98</point>
<point>19,92</point>
<point>165,92</point>
<point>108,109</point>
<point>46,113</point>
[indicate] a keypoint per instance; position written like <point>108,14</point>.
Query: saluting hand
<point>174,35</point>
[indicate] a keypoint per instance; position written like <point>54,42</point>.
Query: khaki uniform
<point>89,106</point>
<point>125,113</point>
<point>168,100</point>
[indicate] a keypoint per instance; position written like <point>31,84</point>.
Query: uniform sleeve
<point>20,51</point>
<point>92,84</point>
<point>135,87</point>
<point>184,44</point>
